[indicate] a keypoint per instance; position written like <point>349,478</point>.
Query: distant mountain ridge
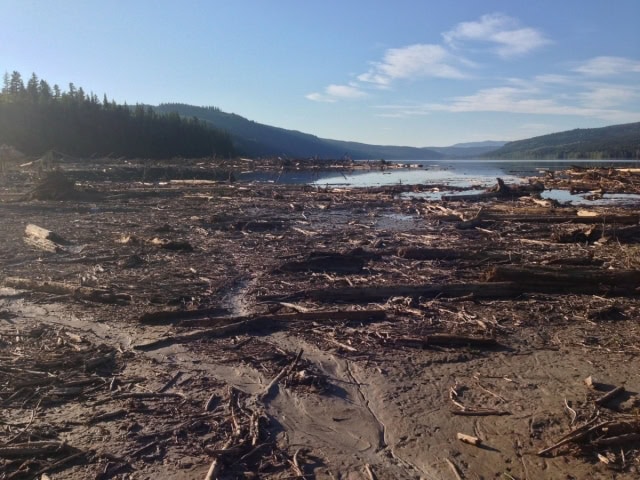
<point>613,142</point>
<point>256,139</point>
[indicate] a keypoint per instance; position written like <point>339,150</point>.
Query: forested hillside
<point>256,139</point>
<point>614,142</point>
<point>37,117</point>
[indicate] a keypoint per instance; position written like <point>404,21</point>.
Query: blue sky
<point>420,73</point>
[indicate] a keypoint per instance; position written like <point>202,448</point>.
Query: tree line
<point>36,117</point>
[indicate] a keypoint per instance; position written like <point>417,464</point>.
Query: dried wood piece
<point>475,441</point>
<point>478,412</point>
<point>454,469</point>
<point>283,373</point>
<point>610,395</point>
<point>106,416</point>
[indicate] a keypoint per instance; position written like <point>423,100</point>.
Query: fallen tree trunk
<point>568,280</point>
<point>59,288</point>
<point>339,315</point>
<point>326,262</point>
<point>382,293</point>
<point>442,339</point>
<point>169,316</point>
<point>423,253</point>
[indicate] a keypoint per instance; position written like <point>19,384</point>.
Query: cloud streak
<point>608,66</point>
<point>503,32</point>
<point>599,102</point>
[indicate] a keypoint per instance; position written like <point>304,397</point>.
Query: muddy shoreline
<point>181,325</point>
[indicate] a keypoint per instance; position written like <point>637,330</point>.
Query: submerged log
<point>500,190</point>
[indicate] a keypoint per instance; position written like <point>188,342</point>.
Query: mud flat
<point>192,327</point>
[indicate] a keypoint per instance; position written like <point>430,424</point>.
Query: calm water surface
<point>457,173</point>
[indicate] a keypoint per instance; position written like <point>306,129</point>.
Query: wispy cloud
<point>608,96</point>
<point>515,100</point>
<point>604,102</point>
<point>333,93</point>
<point>503,32</point>
<point>608,66</point>
<point>446,61</point>
<point>414,61</point>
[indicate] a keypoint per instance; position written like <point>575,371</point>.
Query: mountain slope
<point>613,142</point>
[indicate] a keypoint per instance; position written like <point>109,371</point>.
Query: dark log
<point>222,330</point>
<point>341,316</point>
<point>327,262</point>
<point>421,253</point>
<point>568,280</point>
<point>447,340</point>
<point>610,395</point>
<point>381,293</point>
<point>170,316</point>
<point>595,232</point>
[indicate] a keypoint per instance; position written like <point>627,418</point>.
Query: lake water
<point>472,175</point>
<point>456,173</point>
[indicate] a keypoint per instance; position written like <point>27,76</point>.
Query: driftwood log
<point>59,288</point>
<point>43,239</point>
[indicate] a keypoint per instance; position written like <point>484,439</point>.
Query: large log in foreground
<point>588,281</point>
